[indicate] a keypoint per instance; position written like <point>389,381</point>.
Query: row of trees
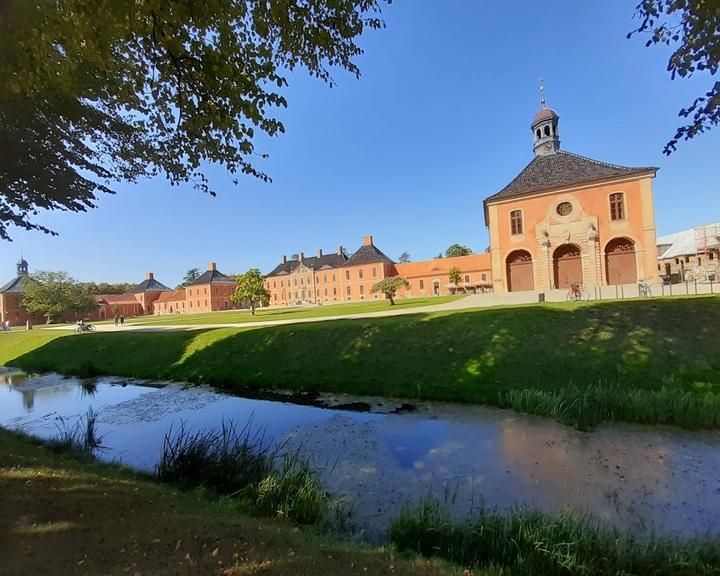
<point>56,294</point>
<point>451,252</point>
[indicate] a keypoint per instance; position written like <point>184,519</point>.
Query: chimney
<point>340,250</point>
<point>302,256</point>
<point>367,241</point>
<point>212,266</point>
<point>284,259</point>
<point>319,253</point>
<point>149,276</point>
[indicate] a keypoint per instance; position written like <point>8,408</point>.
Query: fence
<point>620,291</point>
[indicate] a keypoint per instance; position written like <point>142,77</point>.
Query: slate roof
<point>212,277</point>
<point>15,286</point>
<point>150,285</point>
<point>116,298</point>
<point>368,254</point>
<point>562,169</point>
<point>333,260</point>
<point>172,296</point>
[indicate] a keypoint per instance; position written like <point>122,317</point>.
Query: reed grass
<point>238,462</point>
<point>227,460</point>
<point>528,542</point>
<point>293,492</point>
<point>589,406</point>
<point>81,436</point>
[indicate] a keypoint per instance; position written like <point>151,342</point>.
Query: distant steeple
<point>22,266</point>
<point>546,138</point>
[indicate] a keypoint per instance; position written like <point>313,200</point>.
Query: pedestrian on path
<point>122,320</point>
<point>117,320</point>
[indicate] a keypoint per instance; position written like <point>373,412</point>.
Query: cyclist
<point>574,292</point>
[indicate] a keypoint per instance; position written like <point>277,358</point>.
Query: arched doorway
<point>520,271</point>
<point>567,266</point>
<point>620,265</point>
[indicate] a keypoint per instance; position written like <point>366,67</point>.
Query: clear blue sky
<point>438,121</point>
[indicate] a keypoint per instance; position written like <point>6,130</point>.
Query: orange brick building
<point>337,277</point>
<point>212,291</point>
<point>569,219</point>
<point>141,300</point>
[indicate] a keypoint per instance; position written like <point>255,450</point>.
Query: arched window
<point>539,135</point>
<point>547,130</point>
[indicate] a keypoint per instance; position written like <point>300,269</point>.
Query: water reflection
<point>632,476</point>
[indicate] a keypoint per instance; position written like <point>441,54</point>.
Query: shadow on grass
<point>642,361</point>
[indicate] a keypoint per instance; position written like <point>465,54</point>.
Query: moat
<point>383,454</point>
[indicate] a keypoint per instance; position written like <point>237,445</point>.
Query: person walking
<point>122,320</point>
<point>117,320</point>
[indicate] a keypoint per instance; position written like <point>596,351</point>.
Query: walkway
<point>471,301</point>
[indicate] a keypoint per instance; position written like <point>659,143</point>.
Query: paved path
<point>472,301</point>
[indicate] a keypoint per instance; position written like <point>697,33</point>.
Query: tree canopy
<point>191,275</point>
<point>128,89</point>
<point>457,250</point>
<point>108,288</point>
<point>389,286</point>
<point>455,275</point>
<point>692,28</point>
<point>404,257</point>
<point>53,294</point>
<point>250,290</point>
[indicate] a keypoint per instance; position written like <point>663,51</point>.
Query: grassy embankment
<point>67,515</point>
<point>655,361</point>
<point>292,313</point>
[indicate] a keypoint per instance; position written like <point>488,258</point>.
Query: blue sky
<point>438,121</point>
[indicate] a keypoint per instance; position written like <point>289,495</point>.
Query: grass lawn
<point>641,361</point>
<point>64,515</point>
<point>291,313</point>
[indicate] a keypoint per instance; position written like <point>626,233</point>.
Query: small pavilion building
<point>567,219</point>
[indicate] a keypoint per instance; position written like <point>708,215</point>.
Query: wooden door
<point>520,271</point>
<point>620,262</point>
<point>567,266</point>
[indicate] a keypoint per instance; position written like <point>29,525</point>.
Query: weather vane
<point>542,92</point>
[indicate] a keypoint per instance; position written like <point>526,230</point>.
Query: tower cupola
<point>22,267</point>
<point>546,137</point>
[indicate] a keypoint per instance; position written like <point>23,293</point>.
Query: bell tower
<point>546,137</point>
<point>22,267</point>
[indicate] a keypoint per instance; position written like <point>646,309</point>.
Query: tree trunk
<point>252,309</point>
<point>392,300</point>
